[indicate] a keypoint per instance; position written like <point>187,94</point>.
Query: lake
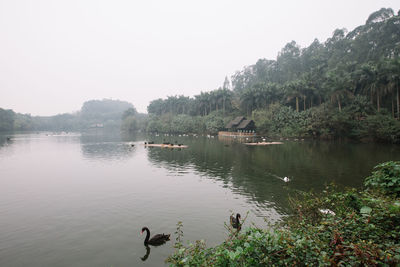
<point>81,199</point>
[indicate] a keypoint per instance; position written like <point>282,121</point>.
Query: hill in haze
<point>106,113</point>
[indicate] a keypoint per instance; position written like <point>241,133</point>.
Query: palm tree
<point>338,82</point>
<point>247,101</point>
<point>293,90</point>
<point>369,79</point>
<point>394,80</point>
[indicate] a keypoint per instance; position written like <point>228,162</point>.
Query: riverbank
<point>324,122</point>
<point>328,229</point>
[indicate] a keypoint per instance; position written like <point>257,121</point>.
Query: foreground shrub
<point>386,177</point>
<point>333,228</point>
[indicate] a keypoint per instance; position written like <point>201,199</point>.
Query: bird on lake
<point>156,240</point>
<point>286,179</point>
<point>235,222</point>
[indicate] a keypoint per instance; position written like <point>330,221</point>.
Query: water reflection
<point>257,172</point>
<point>144,258</point>
<point>5,140</point>
<point>100,146</point>
<point>232,165</point>
<point>78,197</point>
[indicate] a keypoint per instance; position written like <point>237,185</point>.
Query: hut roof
<point>245,123</point>
<point>236,121</point>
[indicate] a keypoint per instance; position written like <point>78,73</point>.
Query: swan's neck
<point>146,240</point>
<point>237,218</point>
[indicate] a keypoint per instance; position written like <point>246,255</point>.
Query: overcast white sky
<point>54,55</point>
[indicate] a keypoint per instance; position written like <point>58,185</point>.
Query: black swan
<point>156,240</point>
<point>235,221</point>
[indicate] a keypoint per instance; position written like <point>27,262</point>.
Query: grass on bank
<point>362,229</point>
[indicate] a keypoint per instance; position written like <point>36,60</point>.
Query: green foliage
<point>214,123</point>
<point>356,121</point>
<point>6,120</point>
<point>133,121</point>
<point>106,112</point>
<point>129,112</point>
<point>23,122</point>
<point>386,177</point>
<point>201,105</point>
<point>129,124</point>
<point>182,123</point>
<point>331,228</point>
<point>383,128</point>
<point>101,110</point>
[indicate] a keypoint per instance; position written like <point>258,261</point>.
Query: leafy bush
<point>332,228</point>
<point>387,177</point>
<point>214,123</point>
<point>281,120</point>
<point>383,128</point>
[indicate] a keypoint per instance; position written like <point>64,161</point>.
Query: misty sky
<point>54,55</point>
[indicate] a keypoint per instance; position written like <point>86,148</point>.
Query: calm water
<point>82,199</point>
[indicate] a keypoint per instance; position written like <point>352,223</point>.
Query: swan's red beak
<point>141,232</point>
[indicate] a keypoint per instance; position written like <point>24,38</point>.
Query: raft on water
<point>166,146</point>
<point>263,143</point>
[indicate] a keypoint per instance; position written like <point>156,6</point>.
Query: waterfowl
<point>235,221</point>
<point>156,240</point>
<point>286,179</point>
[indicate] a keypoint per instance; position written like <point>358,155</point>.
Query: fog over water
<point>54,55</point>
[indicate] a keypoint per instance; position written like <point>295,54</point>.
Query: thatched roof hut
<point>240,123</point>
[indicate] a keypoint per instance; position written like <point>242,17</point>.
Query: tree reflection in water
<point>257,171</point>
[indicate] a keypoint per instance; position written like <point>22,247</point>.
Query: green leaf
<point>365,210</point>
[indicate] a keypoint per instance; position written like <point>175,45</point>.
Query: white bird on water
<point>286,179</point>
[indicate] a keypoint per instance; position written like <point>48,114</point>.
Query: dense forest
<point>104,113</point>
<point>347,86</point>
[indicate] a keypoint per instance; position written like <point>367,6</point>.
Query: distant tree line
<point>345,86</point>
<point>201,105</point>
<point>104,113</point>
